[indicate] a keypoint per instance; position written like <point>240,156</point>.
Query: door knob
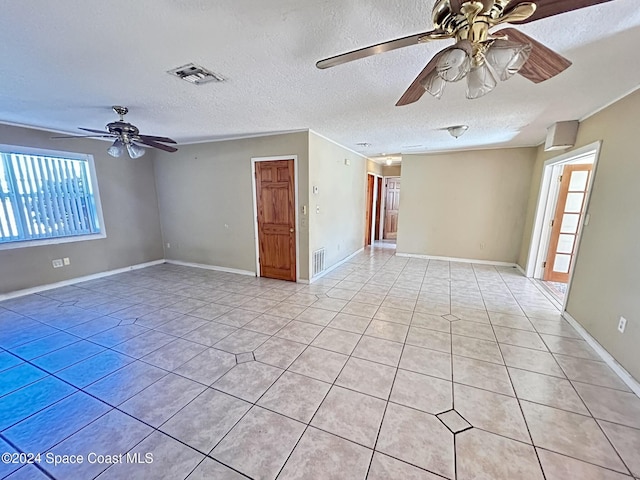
<point>291,230</point>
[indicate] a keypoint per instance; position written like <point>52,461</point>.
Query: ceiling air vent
<point>196,74</point>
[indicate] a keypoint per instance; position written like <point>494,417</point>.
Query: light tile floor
<point>386,368</point>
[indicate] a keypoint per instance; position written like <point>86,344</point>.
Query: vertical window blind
<point>44,197</point>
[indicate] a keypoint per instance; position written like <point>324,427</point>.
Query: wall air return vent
<point>318,262</point>
<point>196,74</point>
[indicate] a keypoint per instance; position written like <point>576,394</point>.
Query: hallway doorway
<point>391,208</point>
<point>562,213</point>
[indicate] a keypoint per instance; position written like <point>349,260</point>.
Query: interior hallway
<point>386,368</point>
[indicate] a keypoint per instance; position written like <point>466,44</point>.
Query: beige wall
<point>130,209</point>
<point>452,203</point>
<point>606,281</point>
<point>392,171</point>
<point>373,167</point>
<point>339,227</point>
<point>206,199</point>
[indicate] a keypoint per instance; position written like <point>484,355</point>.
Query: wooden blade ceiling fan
<point>127,137</point>
<point>479,56</point>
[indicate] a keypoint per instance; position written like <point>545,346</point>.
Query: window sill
<point>51,241</point>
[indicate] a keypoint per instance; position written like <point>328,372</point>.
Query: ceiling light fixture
<point>480,63</point>
<point>457,130</point>
<point>135,151</point>
<point>389,162</point>
<point>117,149</point>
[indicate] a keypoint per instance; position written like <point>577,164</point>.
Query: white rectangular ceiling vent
<point>196,74</point>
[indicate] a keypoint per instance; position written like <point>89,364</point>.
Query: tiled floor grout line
<point>583,403</point>
<point>517,398</point>
<point>595,419</point>
<point>324,327</point>
<point>323,400</point>
<point>386,406</point>
<point>35,464</point>
<point>453,397</point>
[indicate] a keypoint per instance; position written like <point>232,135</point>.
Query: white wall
<point>339,227</point>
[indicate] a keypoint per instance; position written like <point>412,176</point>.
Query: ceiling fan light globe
<point>457,130</point>
<point>135,151</point>
<point>434,84</point>
<point>117,149</point>
<point>480,81</point>
<point>454,65</point>
<point>507,58</point>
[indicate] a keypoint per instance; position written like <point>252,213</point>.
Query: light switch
<point>304,209</point>
<point>587,218</point>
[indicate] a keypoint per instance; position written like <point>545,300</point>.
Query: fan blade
<point>381,48</point>
<point>84,136</point>
<point>549,8</point>
<point>158,139</point>
<point>416,90</point>
<point>102,132</point>
<point>160,146</point>
<point>543,62</point>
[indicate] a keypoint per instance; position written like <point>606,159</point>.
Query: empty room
<point>319,240</point>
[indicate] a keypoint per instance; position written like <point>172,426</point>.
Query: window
<point>46,197</point>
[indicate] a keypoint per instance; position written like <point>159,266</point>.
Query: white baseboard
<point>625,376</point>
<point>336,265</point>
<point>521,270</point>
<point>212,267</point>
<point>73,281</point>
<point>454,259</point>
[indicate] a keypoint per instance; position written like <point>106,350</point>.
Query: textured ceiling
<point>65,62</point>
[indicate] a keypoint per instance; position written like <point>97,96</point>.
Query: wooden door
<point>276,219</point>
<point>566,222</point>
<point>376,234</point>
<point>369,210</point>
<point>392,205</point>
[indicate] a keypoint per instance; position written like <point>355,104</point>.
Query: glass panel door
<point>569,212</point>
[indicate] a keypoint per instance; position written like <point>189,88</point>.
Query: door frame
<point>374,205</point>
<point>255,207</point>
<point>545,210</point>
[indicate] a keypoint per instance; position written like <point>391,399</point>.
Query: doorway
<point>570,204</point>
<point>275,206</point>
<point>392,207</point>
<point>561,215</point>
<point>373,209</point>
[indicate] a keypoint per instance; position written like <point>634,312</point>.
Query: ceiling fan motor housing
<point>124,130</point>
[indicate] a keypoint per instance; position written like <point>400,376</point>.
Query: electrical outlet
<point>482,245</point>
<point>66,261</point>
<point>168,245</point>
<point>622,324</point>
<point>317,208</point>
<point>57,263</point>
